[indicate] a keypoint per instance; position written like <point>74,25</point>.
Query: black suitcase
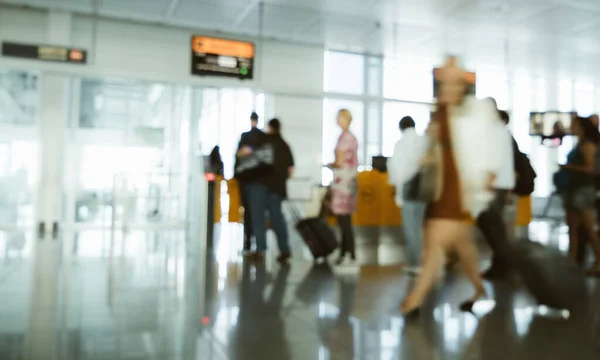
<point>317,235</point>
<point>549,276</point>
<point>315,232</point>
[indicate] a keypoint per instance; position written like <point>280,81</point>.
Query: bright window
<point>344,73</point>
<point>494,85</point>
<point>584,99</point>
<point>407,81</point>
<point>393,112</point>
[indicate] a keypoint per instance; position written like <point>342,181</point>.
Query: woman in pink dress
<point>343,188</point>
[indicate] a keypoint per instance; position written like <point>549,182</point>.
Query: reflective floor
<point>155,296</point>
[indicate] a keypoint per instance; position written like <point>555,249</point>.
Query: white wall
<point>161,53</point>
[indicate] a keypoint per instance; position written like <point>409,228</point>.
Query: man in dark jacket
<point>248,141</point>
<point>283,167</point>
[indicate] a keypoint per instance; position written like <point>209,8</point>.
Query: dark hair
<point>406,122</point>
<point>504,116</point>
<point>275,125</point>
<point>254,116</point>
<point>590,132</point>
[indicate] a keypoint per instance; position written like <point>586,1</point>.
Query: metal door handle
<point>41,230</point>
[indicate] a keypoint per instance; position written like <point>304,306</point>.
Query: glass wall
<point>19,146</point>
<point>129,153</point>
<point>225,115</point>
<point>385,90</point>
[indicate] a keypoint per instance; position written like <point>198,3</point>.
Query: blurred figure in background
<point>343,187</point>
<point>579,196</point>
<point>283,168</point>
<point>491,222</point>
<point>216,162</point>
<point>252,191</point>
<point>402,168</point>
<point>465,150</point>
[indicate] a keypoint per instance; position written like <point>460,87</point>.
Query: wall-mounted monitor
<point>44,52</point>
<point>551,126</point>
<point>222,57</point>
<point>470,78</point>
<point>550,123</point>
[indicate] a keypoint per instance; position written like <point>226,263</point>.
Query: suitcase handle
<point>296,214</point>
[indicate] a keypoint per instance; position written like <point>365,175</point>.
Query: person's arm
<point>290,163</point>
<point>492,136</point>
<point>340,150</point>
<point>589,154</point>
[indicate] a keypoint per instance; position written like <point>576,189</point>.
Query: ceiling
<point>528,34</point>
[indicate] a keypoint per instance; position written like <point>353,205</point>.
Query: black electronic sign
<point>44,53</point>
<point>222,57</point>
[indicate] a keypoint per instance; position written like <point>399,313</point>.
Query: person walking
<point>283,168</point>
<point>579,195</point>
<point>402,169</point>
<point>344,187</point>
<point>464,150</point>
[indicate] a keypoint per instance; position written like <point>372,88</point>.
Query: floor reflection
<point>153,300</point>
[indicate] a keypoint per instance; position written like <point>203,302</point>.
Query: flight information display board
<point>44,53</point>
<point>222,57</point>
<point>470,78</point>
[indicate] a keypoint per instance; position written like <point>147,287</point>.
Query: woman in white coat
<point>467,155</point>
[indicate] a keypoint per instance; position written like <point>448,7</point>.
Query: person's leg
<point>257,194</point>
<point>573,223</point>
<point>278,222</point>
<point>588,219</point>
<point>347,237</point>
<point>247,219</point>
<point>412,223</point>
<point>468,255</point>
<point>437,233</point>
<point>492,226</point>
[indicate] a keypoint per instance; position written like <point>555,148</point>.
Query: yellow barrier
<point>218,198</point>
<point>376,205</point>
<point>235,201</point>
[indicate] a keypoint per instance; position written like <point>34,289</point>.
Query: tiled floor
<point>159,302</point>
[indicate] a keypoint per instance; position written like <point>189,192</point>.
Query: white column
<point>41,334</point>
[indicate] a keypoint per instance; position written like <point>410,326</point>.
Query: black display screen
<point>44,53</point>
<point>221,57</point>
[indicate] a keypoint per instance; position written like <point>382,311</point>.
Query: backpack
<point>525,182</point>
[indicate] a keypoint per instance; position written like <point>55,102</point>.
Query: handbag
<point>256,164</point>
<point>423,186</point>
<point>561,179</point>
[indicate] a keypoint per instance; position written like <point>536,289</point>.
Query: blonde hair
<point>345,113</point>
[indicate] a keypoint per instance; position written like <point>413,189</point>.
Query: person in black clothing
<point>248,141</point>
<point>216,163</point>
<point>277,186</point>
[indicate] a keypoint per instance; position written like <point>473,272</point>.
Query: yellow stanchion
<point>235,201</point>
<point>218,181</point>
<point>524,211</point>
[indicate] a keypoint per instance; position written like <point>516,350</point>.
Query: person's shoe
<point>467,306</point>
<point>340,260</point>
<point>494,273</point>
<point>284,258</point>
<point>410,309</point>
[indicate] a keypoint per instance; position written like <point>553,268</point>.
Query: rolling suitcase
<point>315,232</point>
<point>549,276</point>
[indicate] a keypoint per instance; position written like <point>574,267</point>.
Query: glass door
<point>127,161</point>
<point>19,180</point>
